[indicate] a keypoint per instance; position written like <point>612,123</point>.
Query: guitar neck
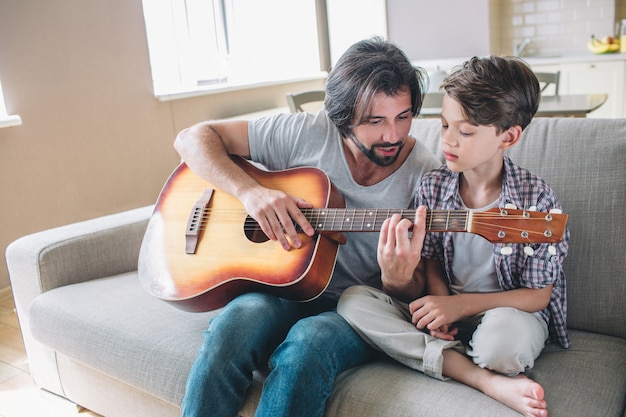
<point>371,220</point>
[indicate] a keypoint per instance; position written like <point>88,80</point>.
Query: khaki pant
<point>504,340</point>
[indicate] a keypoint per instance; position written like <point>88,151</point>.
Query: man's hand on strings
<point>399,253</point>
<point>276,212</point>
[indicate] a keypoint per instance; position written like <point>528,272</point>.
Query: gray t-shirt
<point>473,264</point>
<point>302,139</point>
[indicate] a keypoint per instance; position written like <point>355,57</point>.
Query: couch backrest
<point>584,160</point>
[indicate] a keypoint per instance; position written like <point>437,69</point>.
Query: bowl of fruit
<point>606,45</point>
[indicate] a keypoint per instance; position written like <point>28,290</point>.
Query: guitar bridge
<point>196,220</point>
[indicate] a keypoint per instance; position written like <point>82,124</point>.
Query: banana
<point>600,47</point>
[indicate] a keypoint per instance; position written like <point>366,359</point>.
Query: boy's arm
<point>436,283</point>
<point>433,312</point>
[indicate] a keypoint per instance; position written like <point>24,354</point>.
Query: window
<point>213,45</point>
<point>7,120</point>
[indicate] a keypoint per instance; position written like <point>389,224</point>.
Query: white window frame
<point>7,120</point>
<point>181,31</point>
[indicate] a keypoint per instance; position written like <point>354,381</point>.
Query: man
<point>361,140</point>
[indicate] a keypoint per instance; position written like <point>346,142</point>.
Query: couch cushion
<point>584,160</point>
<point>588,379</point>
<point>114,326</point>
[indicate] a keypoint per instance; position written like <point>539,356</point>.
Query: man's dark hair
<point>369,67</point>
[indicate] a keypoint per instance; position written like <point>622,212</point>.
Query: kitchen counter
<point>571,58</point>
<point>584,56</point>
<point>570,105</point>
<point>582,72</point>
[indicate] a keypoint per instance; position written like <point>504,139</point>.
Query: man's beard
<point>382,161</point>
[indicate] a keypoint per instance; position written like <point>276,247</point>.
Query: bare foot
<point>518,392</point>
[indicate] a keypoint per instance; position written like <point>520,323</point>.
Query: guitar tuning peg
<point>506,251</point>
<point>510,206</point>
<point>556,211</point>
<point>532,208</point>
<point>528,251</point>
<point>552,250</point>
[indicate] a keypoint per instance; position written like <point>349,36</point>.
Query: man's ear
<point>510,137</point>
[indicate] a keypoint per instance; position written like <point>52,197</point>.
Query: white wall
<point>348,24</point>
<point>433,29</point>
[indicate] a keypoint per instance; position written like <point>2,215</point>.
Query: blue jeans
<point>305,351</point>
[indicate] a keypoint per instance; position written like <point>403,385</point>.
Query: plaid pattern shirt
<point>439,189</point>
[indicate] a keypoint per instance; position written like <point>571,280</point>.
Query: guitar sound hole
<point>253,231</point>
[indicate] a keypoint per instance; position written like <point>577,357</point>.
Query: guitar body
<point>227,261</point>
<point>201,249</point>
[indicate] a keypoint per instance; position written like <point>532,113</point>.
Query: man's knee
<point>249,320</point>
<point>316,337</point>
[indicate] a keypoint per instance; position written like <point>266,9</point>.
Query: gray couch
<point>95,337</point>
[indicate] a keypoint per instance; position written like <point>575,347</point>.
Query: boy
<point>502,307</point>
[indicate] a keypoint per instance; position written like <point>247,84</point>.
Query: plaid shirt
<point>439,189</point>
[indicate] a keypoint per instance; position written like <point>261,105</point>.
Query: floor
<point>19,397</point>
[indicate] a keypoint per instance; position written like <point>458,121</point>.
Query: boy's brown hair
<point>495,91</point>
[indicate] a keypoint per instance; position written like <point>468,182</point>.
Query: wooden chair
<point>549,78</point>
<point>296,100</point>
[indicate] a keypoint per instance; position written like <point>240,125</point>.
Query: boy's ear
<point>510,137</point>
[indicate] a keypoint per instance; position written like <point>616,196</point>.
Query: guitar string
<point>348,213</point>
<point>454,219</point>
<point>362,213</point>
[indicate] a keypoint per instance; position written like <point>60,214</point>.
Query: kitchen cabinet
<point>601,76</point>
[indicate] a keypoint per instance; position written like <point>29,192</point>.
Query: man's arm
<point>206,149</point>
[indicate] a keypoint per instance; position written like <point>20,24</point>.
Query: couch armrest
<point>77,252</point>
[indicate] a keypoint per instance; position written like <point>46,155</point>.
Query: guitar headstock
<point>518,226</point>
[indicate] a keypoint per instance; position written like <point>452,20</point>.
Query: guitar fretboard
<point>371,220</point>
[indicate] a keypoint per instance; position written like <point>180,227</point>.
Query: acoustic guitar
<point>201,249</point>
